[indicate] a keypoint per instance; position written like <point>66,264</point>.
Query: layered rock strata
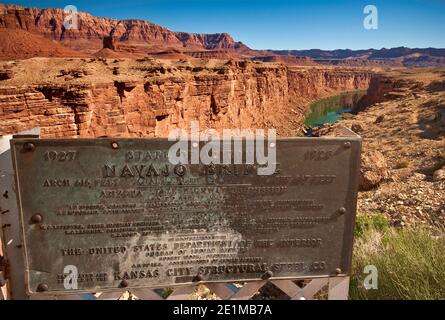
<point>148,98</point>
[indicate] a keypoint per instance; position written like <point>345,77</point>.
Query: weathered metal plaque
<point>101,214</point>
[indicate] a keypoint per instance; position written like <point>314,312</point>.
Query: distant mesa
<point>287,59</point>
<point>169,54</point>
<point>96,34</point>
<point>401,56</point>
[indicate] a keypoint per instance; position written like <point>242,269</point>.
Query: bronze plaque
<point>117,213</point>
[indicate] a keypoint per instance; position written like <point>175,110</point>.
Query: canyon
<point>148,98</point>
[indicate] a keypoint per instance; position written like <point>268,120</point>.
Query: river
<point>330,110</point>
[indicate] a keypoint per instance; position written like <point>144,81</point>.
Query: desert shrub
<point>370,222</point>
<point>410,263</point>
<point>403,163</point>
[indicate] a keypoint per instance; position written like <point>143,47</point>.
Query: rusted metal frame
<point>223,290</point>
<point>338,288</point>
<point>9,219</point>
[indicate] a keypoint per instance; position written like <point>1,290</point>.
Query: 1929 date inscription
<point>119,210</point>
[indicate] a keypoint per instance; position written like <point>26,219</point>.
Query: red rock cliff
<point>156,97</point>
<point>91,30</point>
<point>384,87</point>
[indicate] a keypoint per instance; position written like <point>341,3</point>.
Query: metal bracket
<point>3,270</point>
<point>26,136</point>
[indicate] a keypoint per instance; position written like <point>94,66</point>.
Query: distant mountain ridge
<point>399,55</point>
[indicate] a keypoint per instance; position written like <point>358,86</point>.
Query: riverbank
<point>330,110</point>
<point>403,135</point>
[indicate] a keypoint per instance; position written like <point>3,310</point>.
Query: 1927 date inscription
<point>119,210</point>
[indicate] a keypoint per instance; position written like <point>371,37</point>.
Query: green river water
<point>330,110</point>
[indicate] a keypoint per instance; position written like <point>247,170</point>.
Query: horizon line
<point>225,32</point>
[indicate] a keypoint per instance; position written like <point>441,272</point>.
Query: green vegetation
<point>370,223</point>
<point>402,164</point>
<point>410,262</point>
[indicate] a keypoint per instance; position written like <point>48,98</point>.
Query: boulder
<point>357,127</point>
<point>6,74</point>
<point>374,169</point>
<point>380,119</point>
<point>439,175</point>
<point>347,116</point>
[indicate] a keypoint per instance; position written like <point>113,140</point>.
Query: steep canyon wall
<point>232,95</point>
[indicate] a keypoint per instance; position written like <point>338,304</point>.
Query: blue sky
<point>284,24</point>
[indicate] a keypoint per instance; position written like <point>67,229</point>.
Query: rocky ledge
<point>403,163</point>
